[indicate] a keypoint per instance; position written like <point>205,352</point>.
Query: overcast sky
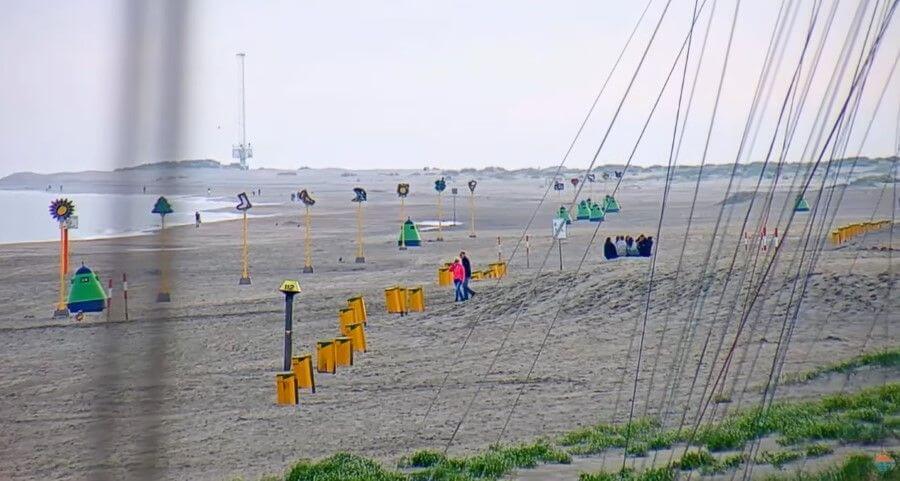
<point>405,83</point>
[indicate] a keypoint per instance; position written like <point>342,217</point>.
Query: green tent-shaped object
<point>801,205</point>
<point>86,293</point>
<point>597,214</point>
<point>584,211</point>
<point>610,204</point>
<point>409,235</point>
<point>563,213</point>
<point>162,207</point>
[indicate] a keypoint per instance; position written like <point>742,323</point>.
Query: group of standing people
<point>627,246</point>
<point>461,269</point>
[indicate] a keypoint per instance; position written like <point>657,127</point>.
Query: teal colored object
<point>409,235</point>
<point>610,204</point>
<point>86,292</point>
<point>562,213</point>
<point>162,206</point>
<point>584,211</point>
<point>597,214</point>
<point>802,205</point>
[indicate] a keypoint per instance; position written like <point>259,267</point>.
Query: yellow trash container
<point>303,371</point>
<point>477,275</point>
<point>343,351</point>
<point>395,300</point>
<point>285,388</point>
<point>498,269</point>
<point>345,318</point>
<point>416,299</point>
<point>325,357</point>
<point>358,304</point>
<point>357,335</point>
<point>445,277</point>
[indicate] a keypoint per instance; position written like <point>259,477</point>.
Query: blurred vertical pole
<point>151,54</point>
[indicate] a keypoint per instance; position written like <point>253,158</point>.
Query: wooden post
<point>164,295</point>
<point>360,255</point>
<point>125,293</point>
<point>440,236</point>
<point>402,224</point>
<point>62,309</point>
<point>307,248</point>
<point>472,214</point>
<point>245,254</point>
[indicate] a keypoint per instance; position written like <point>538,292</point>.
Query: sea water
<point>27,217</point>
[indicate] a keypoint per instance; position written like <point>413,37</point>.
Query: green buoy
<point>584,210</point>
<point>801,205</point>
<point>86,292</point>
<point>610,204</point>
<point>597,214</point>
<point>562,213</point>
<point>409,235</point>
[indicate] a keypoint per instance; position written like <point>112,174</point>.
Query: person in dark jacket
<point>646,248</point>
<point>467,265</point>
<point>609,249</point>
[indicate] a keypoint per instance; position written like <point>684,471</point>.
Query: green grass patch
<point>628,474</point>
<point>341,467</point>
<point>816,450</point>
<point>695,460</point>
<point>859,467</point>
<point>887,358</point>
<point>494,463</point>
<point>778,458</point>
<point>639,435</point>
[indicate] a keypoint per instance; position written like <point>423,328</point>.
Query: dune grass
<point>887,358</point>
<point>864,417</point>
<point>859,467</point>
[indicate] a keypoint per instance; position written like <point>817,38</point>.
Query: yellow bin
<point>303,371</point>
<point>285,388</point>
<point>357,335</point>
<point>445,278</point>
<point>325,358</point>
<point>416,299</point>
<point>395,300</point>
<point>498,269</point>
<point>345,318</point>
<point>343,351</point>
<point>359,307</point>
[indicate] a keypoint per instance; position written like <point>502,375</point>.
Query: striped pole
<point>125,293</point>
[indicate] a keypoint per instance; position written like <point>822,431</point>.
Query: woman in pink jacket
<point>459,274</point>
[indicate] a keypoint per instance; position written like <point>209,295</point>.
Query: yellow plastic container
<point>345,318</point>
<point>498,269</point>
<point>358,304</point>
<point>325,357</point>
<point>343,351</point>
<point>357,335</point>
<point>395,300</point>
<point>285,388</point>
<point>477,275</point>
<point>416,299</point>
<point>445,277</point>
<point>303,370</point>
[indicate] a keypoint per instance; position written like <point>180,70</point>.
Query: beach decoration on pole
<point>439,186</point>
<point>162,207</point>
<point>244,205</point>
<point>801,205</point>
<point>591,178</point>
<point>574,181</point>
<point>558,186</point>
<point>61,210</point>
<point>563,214</point>
<point>409,233</point>
<point>307,240</point>
<point>472,184</point>
<point>584,210</point>
<point>360,197</point>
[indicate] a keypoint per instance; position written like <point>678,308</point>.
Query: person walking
<point>467,268</point>
<point>197,218</point>
<point>459,273</point>
<point>609,249</point>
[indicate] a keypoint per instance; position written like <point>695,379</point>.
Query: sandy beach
<point>92,399</point>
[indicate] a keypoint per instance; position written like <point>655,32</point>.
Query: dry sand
<point>85,400</point>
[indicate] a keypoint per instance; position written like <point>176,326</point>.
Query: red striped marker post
<point>125,292</point>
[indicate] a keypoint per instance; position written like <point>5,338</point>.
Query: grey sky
<point>400,84</point>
